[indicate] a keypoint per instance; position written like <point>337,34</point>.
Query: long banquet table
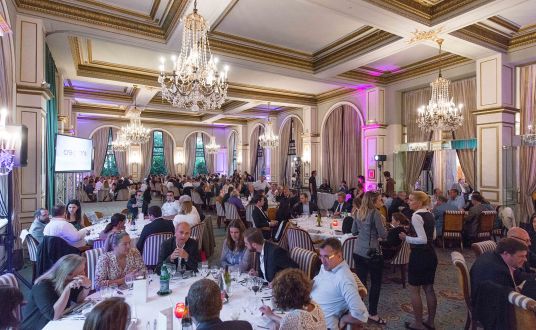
<point>243,304</point>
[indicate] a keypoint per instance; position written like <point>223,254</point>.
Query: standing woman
<point>74,214</point>
<point>368,222</point>
<point>422,259</point>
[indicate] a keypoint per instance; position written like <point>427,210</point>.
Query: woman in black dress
<point>422,260</point>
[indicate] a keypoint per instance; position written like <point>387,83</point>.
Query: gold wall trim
<point>154,8</point>
<point>509,110</point>
<point>334,45</point>
<point>99,95</point>
<point>505,23</point>
<point>117,9</point>
<point>484,36</point>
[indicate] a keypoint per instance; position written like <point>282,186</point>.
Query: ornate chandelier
<point>530,137</point>
<point>134,132</point>
<point>212,148</point>
<point>441,113</point>
<point>8,142</point>
<point>121,143</point>
<point>268,139</point>
<point>195,82</point>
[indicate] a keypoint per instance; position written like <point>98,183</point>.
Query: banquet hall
<point>385,148</point>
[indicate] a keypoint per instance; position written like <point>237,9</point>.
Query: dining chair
<point>465,285</point>
<point>486,221</point>
<point>92,256</point>
<point>299,238</point>
<point>220,212</point>
<point>348,251</point>
<point>453,226</point>
<point>10,280</point>
<point>196,232</point>
<point>151,248</point>
<point>480,247</point>
<point>231,213</point>
<point>32,244</point>
<point>307,261</point>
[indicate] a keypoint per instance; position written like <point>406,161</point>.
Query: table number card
<point>140,291</point>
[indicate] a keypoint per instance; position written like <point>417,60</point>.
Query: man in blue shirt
<point>441,206</point>
<point>455,199</point>
<point>41,219</point>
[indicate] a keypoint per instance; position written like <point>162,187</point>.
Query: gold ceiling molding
<point>432,35</point>
<point>242,91</point>
<point>98,95</point>
<point>154,9</point>
<point>223,15</point>
<point>504,23</point>
<point>426,14</point>
<point>103,5</point>
<point>349,37</point>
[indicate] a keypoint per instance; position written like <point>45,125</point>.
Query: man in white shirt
<point>335,289</point>
<point>272,193</point>
<point>261,184</point>
<point>171,207</point>
<point>99,184</point>
<point>60,227</point>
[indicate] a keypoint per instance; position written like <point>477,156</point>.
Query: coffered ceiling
<point>293,53</point>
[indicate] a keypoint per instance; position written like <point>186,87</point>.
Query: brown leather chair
<point>465,285</point>
<point>453,226</point>
<point>486,221</point>
<point>484,246</point>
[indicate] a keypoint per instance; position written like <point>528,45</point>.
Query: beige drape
<point>464,92</point>
<point>230,152</point>
<point>209,159</point>
<point>527,164</point>
<point>341,147</point>
<point>169,153</point>
<point>147,156</point>
<point>253,148</point>
<point>414,159</point>
<point>189,153</point>
<point>100,144</point>
<point>284,177</point>
<point>120,157</point>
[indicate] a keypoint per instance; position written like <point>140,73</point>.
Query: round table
<point>96,229</point>
<point>309,224</point>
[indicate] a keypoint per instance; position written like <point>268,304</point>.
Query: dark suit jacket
<point>218,324</point>
<point>49,251</point>
<point>397,202</point>
<point>168,246</point>
<point>262,222</point>
<point>297,210</point>
<point>491,283</point>
<point>275,260</point>
<point>346,207</point>
<point>470,224</point>
<point>155,227</point>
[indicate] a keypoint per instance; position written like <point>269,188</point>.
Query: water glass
<point>129,281</point>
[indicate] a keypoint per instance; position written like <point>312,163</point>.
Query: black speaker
<point>427,165</point>
<point>380,158</point>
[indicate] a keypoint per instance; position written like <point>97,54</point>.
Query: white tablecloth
<point>320,233</point>
<point>96,229</point>
<point>242,302</point>
<point>325,200</point>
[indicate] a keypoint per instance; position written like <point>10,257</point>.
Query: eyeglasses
<point>327,257</point>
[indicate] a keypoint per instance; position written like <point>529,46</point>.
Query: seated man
<point>171,207</point>
<point>325,187</point>
<point>523,236</point>
<point>158,225</point>
<point>205,304</point>
<point>455,199</point>
<point>272,258</point>
<point>493,278</point>
<point>439,211</point>
<point>61,227</point>
<point>134,203</point>
<point>398,204</point>
<point>340,205</point>
<point>181,248</point>
<point>335,289</point>
<point>260,219</point>
<point>304,206</point>
<point>41,219</point>
<point>470,223</point>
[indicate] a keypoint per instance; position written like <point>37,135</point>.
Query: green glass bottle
<point>164,280</point>
<point>319,220</point>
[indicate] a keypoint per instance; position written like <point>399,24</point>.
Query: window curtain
<point>169,153</point>
<point>120,157</point>
<point>100,144</point>
<point>341,147</point>
<point>230,153</point>
<point>51,129</point>
<point>527,153</point>
<point>209,159</point>
<point>414,159</point>
<point>464,91</point>
<point>284,171</point>
<point>189,153</point>
<point>254,142</point>
<point>147,157</point>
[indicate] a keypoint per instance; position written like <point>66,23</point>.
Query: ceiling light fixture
<point>120,144</point>
<point>195,82</point>
<point>212,148</point>
<point>269,140</point>
<point>134,132</point>
<point>440,113</point>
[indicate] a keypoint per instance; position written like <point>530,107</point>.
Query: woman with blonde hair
<point>187,214</point>
<point>54,291</point>
<point>368,222</point>
<point>422,260</point>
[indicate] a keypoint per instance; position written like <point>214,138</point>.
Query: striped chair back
<point>402,257</point>
<point>219,210</point>
<point>464,281</point>
<point>151,247</point>
<point>164,190</point>
<point>249,214</point>
<point>92,256</point>
<point>231,213</point>
<point>307,261</point>
<point>196,232</point>
<point>299,238</point>
<point>484,246</point>
<point>196,198</point>
<point>486,221</point>
<point>10,280</point>
<point>453,226</point>
<point>283,241</point>
<point>32,245</point>
<point>523,318</point>
<point>348,251</point>
<point>98,243</point>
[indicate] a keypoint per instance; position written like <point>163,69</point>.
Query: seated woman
<point>119,261</point>
<point>235,200</point>
<point>111,314</point>
<point>187,214</point>
<point>291,290</point>
<point>117,223</point>
<point>53,292</point>
<point>399,224</point>
<point>9,304</point>
<point>234,252</point>
<point>74,214</point>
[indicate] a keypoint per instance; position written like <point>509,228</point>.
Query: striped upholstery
<point>11,280</point>
<point>92,256</point>
<point>402,257</point>
<point>486,221</point>
<point>523,318</point>
<point>360,287</point>
<point>299,238</point>
<point>151,248</point>
<point>464,281</point>
<point>249,214</point>
<point>283,241</point>
<point>484,246</point>
<point>307,261</point>
<point>196,232</point>
<point>453,226</point>
<point>348,251</point>
<point>231,213</point>
<point>219,210</point>
<point>196,198</point>
<point>32,244</point>
<point>99,243</point>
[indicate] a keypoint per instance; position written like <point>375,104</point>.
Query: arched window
<point>110,166</point>
<point>200,163</point>
<point>158,165</point>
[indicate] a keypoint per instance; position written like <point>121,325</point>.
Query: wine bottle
<point>227,278</point>
<point>318,220</point>
<point>164,280</point>
<point>186,321</point>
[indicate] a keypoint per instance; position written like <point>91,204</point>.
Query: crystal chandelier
<point>441,113</point>
<point>195,82</point>
<point>268,139</point>
<point>8,141</point>
<point>530,137</point>
<point>120,144</point>
<point>134,132</point>
<point>212,148</point>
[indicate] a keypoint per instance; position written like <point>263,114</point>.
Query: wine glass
<point>172,269</point>
<point>215,272</point>
<point>129,281</point>
<point>182,270</point>
<point>255,285</point>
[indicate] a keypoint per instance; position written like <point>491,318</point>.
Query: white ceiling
<point>522,15</point>
<point>411,55</point>
<point>292,24</point>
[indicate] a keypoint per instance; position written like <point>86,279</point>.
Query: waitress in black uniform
<point>422,260</point>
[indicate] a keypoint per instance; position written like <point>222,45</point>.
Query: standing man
<point>312,187</point>
<point>389,184</point>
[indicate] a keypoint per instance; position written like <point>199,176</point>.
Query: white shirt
<point>187,184</point>
<point>59,227</point>
<point>418,224</point>
<point>98,185</point>
<point>170,208</point>
<point>192,218</point>
<point>258,185</point>
<point>261,263</point>
<point>336,292</point>
<point>169,185</point>
<point>271,195</point>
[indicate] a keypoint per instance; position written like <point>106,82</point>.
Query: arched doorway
<point>291,124</point>
<point>258,155</point>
